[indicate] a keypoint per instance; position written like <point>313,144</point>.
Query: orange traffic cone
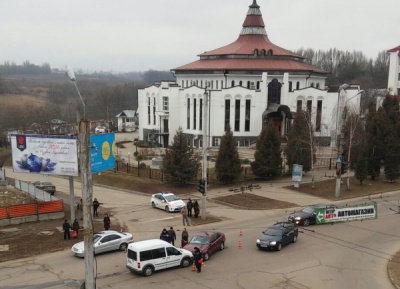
<point>240,233</point>
<point>194,267</point>
<point>240,245</point>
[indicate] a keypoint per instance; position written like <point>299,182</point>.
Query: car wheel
<point>279,247</point>
<point>148,271</point>
<point>306,222</point>
<point>206,256</point>
<point>166,209</point>
<point>153,205</point>
<point>294,239</point>
<point>222,246</point>
<point>123,246</point>
<point>186,262</point>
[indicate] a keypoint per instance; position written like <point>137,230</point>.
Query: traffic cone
<point>194,267</point>
<point>240,245</point>
<point>240,233</point>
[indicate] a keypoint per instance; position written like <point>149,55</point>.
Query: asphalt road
<point>343,255</point>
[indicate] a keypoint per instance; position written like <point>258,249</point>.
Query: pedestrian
<point>172,235</point>
<point>185,237</point>
<point>79,206</point>
<point>189,206</point>
<point>196,209</point>
<point>198,258</point>
<point>75,228</point>
<point>107,222</point>
<point>66,228</point>
<point>185,217</point>
<point>165,236</point>
<point>96,206</point>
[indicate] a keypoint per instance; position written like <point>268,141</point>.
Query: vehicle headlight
<point>272,243</point>
<point>297,218</point>
<point>258,241</point>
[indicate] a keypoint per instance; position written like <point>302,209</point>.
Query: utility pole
<point>87,194</point>
<point>205,146</point>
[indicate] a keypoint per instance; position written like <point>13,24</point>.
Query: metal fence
<point>34,192</point>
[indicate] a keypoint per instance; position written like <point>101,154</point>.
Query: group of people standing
<point>193,206</point>
<point>170,236</point>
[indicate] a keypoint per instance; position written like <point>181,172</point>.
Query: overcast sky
<point>138,35</point>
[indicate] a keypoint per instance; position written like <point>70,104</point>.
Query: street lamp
<point>129,160</point>
<point>87,191</point>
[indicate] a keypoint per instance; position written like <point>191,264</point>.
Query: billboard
<point>46,154</point>
<point>297,173</point>
<point>102,152</point>
<point>346,214</point>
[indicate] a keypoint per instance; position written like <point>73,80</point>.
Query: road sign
<point>339,159</point>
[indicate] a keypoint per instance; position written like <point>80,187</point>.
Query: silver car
<point>105,241</point>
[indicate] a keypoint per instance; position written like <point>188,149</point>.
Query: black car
<point>45,186</point>
<point>277,236</point>
<point>307,216</point>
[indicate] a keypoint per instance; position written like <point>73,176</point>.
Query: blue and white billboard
<point>102,151</point>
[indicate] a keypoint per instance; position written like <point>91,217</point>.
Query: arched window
<point>290,86</point>
<point>240,83</point>
<point>274,91</point>
<point>317,84</point>
<point>270,52</point>
<point>255,52</point>
<point>312,84</point>
<point>263,52</point>
<point>233,83</point>
<point>297,85</point>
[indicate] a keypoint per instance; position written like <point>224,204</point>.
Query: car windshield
<point>308,210</point>
<point>273,232</point>
<point>199,240</point>
<point>96,237</point>
<point>171,198</point>
<point>47,184</point>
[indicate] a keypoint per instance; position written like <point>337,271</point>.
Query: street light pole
<point>205,145</point>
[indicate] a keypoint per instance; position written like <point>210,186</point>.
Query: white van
<point>145,257</point>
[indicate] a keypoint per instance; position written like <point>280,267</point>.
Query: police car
<point>167,201</point>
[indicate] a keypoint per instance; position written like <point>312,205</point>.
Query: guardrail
<point>34,192</point>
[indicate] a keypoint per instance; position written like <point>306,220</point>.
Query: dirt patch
<point>394,269</point>
<point>252,202</point>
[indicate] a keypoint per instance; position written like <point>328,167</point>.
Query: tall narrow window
<point>148,111</point>
<point>309,106</point>
<point>154,110</point>
<point>233,83</point>
<point>222,84</point>
<point>165,103</point>
<point>201,114</point>
<point>237,115</point>
<point>247,116</point>
<point>317,85</point>
<point>182,84</point>
<point>297,85</point>
<point>188,114</point>
<point>248,84</point>
<point>240,83</point>
<point>290,86</point>
<point>299,105</point>
<point>194,113</point>
<point>319,116</point>
<point>274,91</point>
<point>216,84</point>
<point>227,112</point>
<point>258,85</point>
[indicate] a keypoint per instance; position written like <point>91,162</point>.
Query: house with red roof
<point>242,85</point>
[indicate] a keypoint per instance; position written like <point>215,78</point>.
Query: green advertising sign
<point>352,213</point>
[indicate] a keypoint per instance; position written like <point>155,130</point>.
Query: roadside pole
<point>71,198</point>
<point>205,145</point>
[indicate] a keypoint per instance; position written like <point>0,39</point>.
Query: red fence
<point>31,209</point>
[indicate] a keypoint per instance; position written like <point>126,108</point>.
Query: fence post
<point>330,163</point>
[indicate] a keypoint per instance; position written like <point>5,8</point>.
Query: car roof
<point>148,244</point>
<point>206,233</point>
<point>282,224</point>
<point>44,183</point>
<point>165,194</point>
<point>103,233</point>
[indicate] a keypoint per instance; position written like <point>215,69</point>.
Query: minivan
<point>145,257</point>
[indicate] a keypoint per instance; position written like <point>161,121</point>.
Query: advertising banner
<point>102,151</point>
<point>45,154</point>
<point>346,214</point>
<point>297,173</point>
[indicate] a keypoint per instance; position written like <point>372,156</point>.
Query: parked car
<point>278,236</point>
<point>45,186</point>
<point>100,129</point>
<point>307,216</point>
<point>207,242</point>
<point>105,241</point>
<point>167,201</point>
<point>147,256</point>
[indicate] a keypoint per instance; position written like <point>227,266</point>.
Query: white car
<point>167,201</point>
<point>100,129</point>
<point>105,241</point>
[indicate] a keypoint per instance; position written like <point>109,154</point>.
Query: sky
<point>139,35</point>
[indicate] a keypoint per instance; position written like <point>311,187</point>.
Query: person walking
<point>107,222</point>
<point>75,228</point>
<point>185,237</point>
<point>172,235</point>
<point>165,236</point>
<point>66,228</point>
<point>196,209</point>
<point>198,258</point>
<point>185,218</point>
<point>96,206</point>
<point>189,206</point>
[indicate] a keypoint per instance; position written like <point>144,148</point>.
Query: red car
<point>207,242</point>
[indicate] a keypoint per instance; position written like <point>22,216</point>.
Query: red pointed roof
<point>251,51</point>
<point>394,49</point>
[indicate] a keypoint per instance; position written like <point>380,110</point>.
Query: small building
<point>127,121</point>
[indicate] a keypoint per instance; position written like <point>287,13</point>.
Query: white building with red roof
<point>394,71</point>
<point>248,82</point>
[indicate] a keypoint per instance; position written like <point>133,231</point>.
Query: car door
<point>286,236</point>
<point>174,257</point>
<point>213,243</point>
<point>157,201</point>
<point>159,258</point>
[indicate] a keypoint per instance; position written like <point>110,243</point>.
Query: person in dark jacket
<point>198,258</point>
<point>172,235</point>
<point>196,208</point>
<point>165,236</point>
<point>96,206</point>
<point>75,227</point>
<point>189,207</point>
<point>66,228</point>
<point>185,237</point>
<point>107,222</point>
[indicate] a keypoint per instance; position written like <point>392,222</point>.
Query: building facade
<point>247,83</point>
<point>394,71</point>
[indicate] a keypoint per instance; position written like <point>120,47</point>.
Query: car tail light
<point>138,265</point>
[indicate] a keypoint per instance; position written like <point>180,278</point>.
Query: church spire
<point>254,23</point>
